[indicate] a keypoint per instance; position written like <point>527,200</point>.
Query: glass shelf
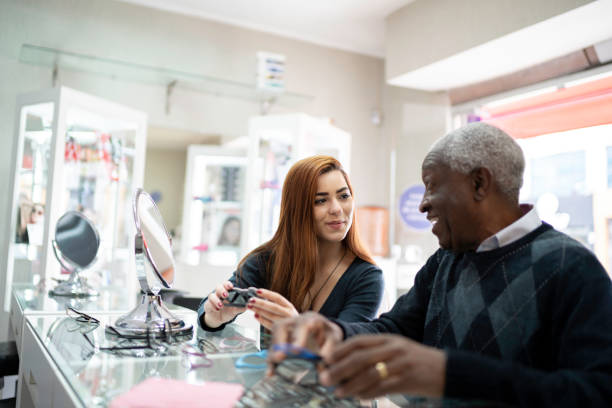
<point>116,69</point>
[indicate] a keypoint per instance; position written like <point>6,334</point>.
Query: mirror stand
<point>150,316</point>
<point>75,285</point>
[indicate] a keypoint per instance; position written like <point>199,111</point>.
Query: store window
<point>565,131</point>
<point>562,174</point>
<point>609,157</point>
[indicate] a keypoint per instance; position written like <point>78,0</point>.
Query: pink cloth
<point>162,392</point>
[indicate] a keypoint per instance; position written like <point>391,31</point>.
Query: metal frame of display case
<point>63,99</point>
<point>302,136</point>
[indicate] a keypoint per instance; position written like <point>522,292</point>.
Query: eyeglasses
<point>298,371</point>
<point>294,383</point>
<point>128,343</point>
<point>253,360</point>
<point>154,340</point>
<point>194,359</point>
<point>80,316</point>
<point>232,344</point>
<point>299,366</point>
<point>238,297</point>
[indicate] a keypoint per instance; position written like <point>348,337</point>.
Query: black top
<point>355,298</point>
<point>527,324</point>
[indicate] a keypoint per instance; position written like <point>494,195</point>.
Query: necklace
<point>326,280</point>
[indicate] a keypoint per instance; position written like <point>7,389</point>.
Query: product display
<point>213,206</point>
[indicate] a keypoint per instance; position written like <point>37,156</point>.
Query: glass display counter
<point>69,363</point>
<point>86,375</point>
<point>29,299</point>
<point>73,151</point>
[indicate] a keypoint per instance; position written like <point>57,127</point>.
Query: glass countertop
<point>97,376</point>
<point>35,299</point>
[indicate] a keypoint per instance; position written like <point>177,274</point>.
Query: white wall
<point>165,173</point>
<point>415,119</point>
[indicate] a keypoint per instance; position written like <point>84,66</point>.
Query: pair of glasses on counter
<point>192,357</point>
<point>294,382</point>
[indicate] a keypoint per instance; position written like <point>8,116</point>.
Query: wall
<point>165,173</point>
<point>415,119</point>
<point>343,86</point>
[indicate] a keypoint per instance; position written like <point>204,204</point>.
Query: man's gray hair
<point>482,145</point>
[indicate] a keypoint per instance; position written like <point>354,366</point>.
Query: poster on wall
<point>409,208</point>
<point>270,72</point>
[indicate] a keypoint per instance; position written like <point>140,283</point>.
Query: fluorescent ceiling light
<point>525,95</point>
<point>552,38</point>
<point>588,79</point>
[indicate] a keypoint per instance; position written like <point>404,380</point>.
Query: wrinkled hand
<point>309,330</point>
<point>215,313</point>
<point>270,307</point>
<point>412,368</point>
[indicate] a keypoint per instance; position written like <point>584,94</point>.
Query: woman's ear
<point>482,181</point>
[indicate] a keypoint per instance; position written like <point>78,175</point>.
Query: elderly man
<point>507,310</point>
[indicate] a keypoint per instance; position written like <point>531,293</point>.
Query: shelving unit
<point>213,206</point>
<point>73,151</point>
<point>276,142</point>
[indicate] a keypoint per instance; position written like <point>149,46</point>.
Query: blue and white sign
<point>409,207</point>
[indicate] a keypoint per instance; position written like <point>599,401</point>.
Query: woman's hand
<point>215,312</point>
<point>270,307</point>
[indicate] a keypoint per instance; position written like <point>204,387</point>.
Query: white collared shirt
<point>515,231</point>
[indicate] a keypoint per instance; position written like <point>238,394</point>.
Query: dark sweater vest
<point>526,324</point>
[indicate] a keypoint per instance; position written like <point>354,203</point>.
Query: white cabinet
<point>276,142</point>
<point>73,151</point>
<point>213,206</point>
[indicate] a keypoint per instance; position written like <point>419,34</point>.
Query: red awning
<point>576,107</point>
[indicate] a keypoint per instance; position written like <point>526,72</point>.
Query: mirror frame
<point>140,247</point>
<point>75,285</point>
<point>150,315</point>
<point>61,256</point>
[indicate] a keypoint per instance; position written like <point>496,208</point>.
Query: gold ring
<point>381,367</point>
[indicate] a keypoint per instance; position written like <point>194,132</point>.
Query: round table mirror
<point>155,270</point>
<point>75,246</point>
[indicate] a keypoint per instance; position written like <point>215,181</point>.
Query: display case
<point>276,142</point>
<point>213,206</point>
<point>72,151</point>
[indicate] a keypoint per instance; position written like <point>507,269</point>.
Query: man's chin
<point>443,244</point>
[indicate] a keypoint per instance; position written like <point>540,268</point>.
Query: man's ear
<point>482,182</point>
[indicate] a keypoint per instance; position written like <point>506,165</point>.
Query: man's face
<point>450,206</point>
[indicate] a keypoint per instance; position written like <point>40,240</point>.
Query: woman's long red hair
<point>293,248</point>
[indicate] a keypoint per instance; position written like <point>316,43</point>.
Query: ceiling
<point>351,25</point>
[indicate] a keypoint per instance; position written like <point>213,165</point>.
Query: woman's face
<point>333,207</point>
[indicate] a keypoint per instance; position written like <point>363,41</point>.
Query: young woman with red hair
<point>314,261</point>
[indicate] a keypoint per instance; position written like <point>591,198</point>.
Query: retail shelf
<point>129,71</point>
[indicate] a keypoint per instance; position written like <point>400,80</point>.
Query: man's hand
<point>407,367</point>
<point>309,330</point>
<point>270,307</point>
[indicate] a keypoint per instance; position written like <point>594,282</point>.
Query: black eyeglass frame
<point>80,316</point>
<point>239,297</point>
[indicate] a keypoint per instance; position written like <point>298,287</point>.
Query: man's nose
<point>424,205</point>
